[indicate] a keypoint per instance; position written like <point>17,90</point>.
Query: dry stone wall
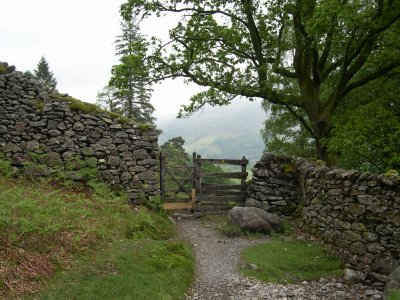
<point>274,185</point>
<point>56,129</point>
<point>356,211</point>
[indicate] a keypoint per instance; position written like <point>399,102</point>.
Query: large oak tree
<point>305,55</point>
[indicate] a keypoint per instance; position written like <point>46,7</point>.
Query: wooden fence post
<point>162,174</point>
<point>243,180</point>
<point>198,174</point>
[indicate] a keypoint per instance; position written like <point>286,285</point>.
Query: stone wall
<point>356,211</point>
<point>54,129</point>
<point>274,185</point>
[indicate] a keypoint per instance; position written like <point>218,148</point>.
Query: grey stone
<point>32,145</point>
<point>36,170</point>
<point>357,209</point>
<point>51,159</point>
<point>357,248</point>
<point>353,276</point>
<point>116,126</point>
<point>78,126</point>
<point>19,126</point>
<point>384,265</point>
<point>126,176</point>
<point>87,151</point>
<point>54,132</point>
<point>114,161</point>
<point>254,219</point>
<point>11,147</point>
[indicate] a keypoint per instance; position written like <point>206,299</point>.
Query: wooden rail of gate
<point>199,193</point>
<point>183,196</point>
<point>220,194</point>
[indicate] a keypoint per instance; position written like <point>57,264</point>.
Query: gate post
<point>198,174</point>
<point>194,182</point>
<point>243,179</point>
<point>162,175</point>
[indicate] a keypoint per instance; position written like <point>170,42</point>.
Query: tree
<point>129,78</point>
<point>283,134</point>
<point>107,100</point>
<point>44,76</point>
<point>366,128</point>
<point>174,152</point>
<point>304,55</point>
<point>29,74</point>
<point>175,155</point>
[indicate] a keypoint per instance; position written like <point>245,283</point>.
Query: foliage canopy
<point>128,92</point>
<point>304,55</point>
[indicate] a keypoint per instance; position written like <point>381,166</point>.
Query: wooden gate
<point>177,185</point>
<point>189,187</point>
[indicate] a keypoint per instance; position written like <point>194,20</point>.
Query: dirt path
<point>218,277</point>
<point>217,259</point>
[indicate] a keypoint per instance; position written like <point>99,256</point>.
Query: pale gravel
<point>218,262</point>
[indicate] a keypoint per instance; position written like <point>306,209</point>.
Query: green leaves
<point>43,75</point>
<point>300,54</point>
<point>128,91</point>
<point>366,131</point>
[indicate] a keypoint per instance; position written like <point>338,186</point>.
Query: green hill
<point>220,132</point>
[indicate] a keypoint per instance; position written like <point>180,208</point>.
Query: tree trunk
<point>322,136</point>
<point>321,129</point>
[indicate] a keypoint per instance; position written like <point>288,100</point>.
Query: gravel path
<point>217,271</point>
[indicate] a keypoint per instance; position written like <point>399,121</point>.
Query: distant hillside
<point>220,132</point>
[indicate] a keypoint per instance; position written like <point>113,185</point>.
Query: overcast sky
<point>77,39</point>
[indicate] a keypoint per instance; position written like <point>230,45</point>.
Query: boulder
<point>255,219</point>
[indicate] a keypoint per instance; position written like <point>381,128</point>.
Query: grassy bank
<point>289,261</point>
<point>86,242</point>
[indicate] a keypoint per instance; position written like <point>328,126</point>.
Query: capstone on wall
<point>356,211</point>
<point>36,124</point>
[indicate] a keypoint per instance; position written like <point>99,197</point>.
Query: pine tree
<point>129,78</point>
<point>44,76</point>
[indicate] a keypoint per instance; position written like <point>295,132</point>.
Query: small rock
<point>253,266</point>
<point>352,276</point>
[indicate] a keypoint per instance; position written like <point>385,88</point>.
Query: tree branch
<point>372,76</point>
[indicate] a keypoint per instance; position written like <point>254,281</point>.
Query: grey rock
<point>33,170</point>
<point>114,161</point>
<point>254,219</point>
<point>353,276</point>
<point>32,145</point>
<point>11,147</point>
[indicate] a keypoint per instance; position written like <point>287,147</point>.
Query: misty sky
<point>77,38</point>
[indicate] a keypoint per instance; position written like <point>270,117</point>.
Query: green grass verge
<point>290,261</point>
<point>48,231</point>
<point>394,295</point>
<point>129,270</point>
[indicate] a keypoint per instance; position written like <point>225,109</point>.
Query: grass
<point>89,108</point>
<point>394,294</point>
<point>140,270</point>
<point>290,261</point>
<point>84,240</point>
<point>231,230</point>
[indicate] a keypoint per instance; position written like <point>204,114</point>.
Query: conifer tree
<point>129,79</point>
<point>44,76</point>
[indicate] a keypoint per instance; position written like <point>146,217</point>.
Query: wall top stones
<point>58,127</point>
